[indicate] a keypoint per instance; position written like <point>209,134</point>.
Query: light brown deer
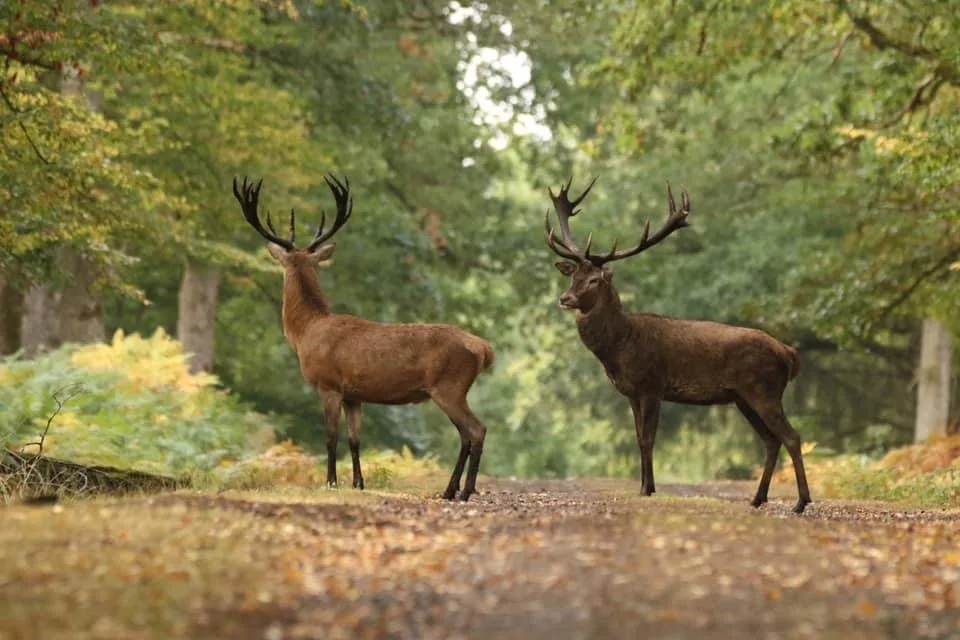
<point>651,358</point>
<point>350,360</point>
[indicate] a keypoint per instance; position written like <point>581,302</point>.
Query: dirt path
<point>524,560</point>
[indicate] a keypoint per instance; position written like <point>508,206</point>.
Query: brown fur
<point>651,358</point>
<point>351,360</point>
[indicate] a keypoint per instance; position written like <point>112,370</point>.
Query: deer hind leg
<point>453,402</point>
<point>332,406</point>
<point>771,445</point>
<point>454,485</point>
<point>354,412</point>
<point>646,419</point>
<point>771,412</point>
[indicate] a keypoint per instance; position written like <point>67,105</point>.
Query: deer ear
<point>277,251</point>
<point>566,268</point>
<point>323,253</point>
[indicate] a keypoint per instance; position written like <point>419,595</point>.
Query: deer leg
<point>772,446</point>
<point>646,418</point>
<point>773,416</point>
<point>454,485</point>
<point>354,411</point>
<point>332,405</point>
<point>472,434</point>
<point>477,434</point>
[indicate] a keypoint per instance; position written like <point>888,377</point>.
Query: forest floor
<point>523,559</point>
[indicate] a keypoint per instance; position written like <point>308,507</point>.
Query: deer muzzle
<point>568,301</point>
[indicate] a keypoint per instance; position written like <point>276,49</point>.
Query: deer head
<point>283,249</point>
<point>591,279</point>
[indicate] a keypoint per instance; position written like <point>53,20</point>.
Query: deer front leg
<point>354,412</point>
<point>646,418</point>
<point>332,405</point>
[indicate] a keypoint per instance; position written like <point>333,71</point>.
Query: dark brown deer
<point>651,358</point>
<point>350,360</point>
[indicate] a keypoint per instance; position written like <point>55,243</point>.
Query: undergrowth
<point>137,406</point>
<point>286,464</point>
<point>926,473</point>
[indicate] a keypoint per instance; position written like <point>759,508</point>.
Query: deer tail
<point>482,349</point>
<point>793,361</point>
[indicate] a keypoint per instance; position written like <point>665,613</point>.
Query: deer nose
<point>567,301</point>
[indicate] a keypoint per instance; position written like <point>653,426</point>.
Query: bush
<point>137,406</point>
<point>927,473</point>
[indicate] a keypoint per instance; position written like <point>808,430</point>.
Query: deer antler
<point>341,193</point>
<point>676,219</point>
<point>248,195</point>
<point>566,248</point>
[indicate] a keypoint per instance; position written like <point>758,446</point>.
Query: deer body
<point>367,361</point>
<point>652,359</point>
<point>351,361</point>
<point>684,361</point>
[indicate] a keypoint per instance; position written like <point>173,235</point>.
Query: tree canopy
<point>816,140</point>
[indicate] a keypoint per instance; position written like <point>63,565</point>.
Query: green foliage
<point>816,139</point>
<point>133,404</point>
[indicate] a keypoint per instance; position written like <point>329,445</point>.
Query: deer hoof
<point>331,484</point>
<point>464,496</point>
<point>358,484</point>
<point>758,502</point>
<point>801,505</point>
<point>449,494</point>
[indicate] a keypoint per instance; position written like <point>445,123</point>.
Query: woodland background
<point>817,140</point>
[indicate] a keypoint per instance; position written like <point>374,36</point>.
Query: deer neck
<point>303,300</point>
<point>605,327</point>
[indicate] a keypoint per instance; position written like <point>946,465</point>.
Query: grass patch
<point>287,465</point>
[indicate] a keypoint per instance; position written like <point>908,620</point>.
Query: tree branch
<point>71,391</point>
<point>933,82</point>
<point>949,72</point>
<point>905,294</point>
<point>23,127</point>
<point>11,54</point>
<point>702,40</point>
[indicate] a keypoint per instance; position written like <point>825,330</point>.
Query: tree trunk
<point>11,308</point>
<point>52,317</point>
<point>78,308</point>
<point>196,314</point>
<point>933,381</point>
<point>40,324</point>
<point>81,306</point>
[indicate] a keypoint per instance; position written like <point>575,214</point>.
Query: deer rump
<point>368,361</point>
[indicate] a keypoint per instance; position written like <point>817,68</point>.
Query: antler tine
<point>676,219</point>
<point>566,209</point>
<point>583,195</point>
<point>293,229</point>
<point>556,244</point>
<point>248,195</point>
<point>344,200</point>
